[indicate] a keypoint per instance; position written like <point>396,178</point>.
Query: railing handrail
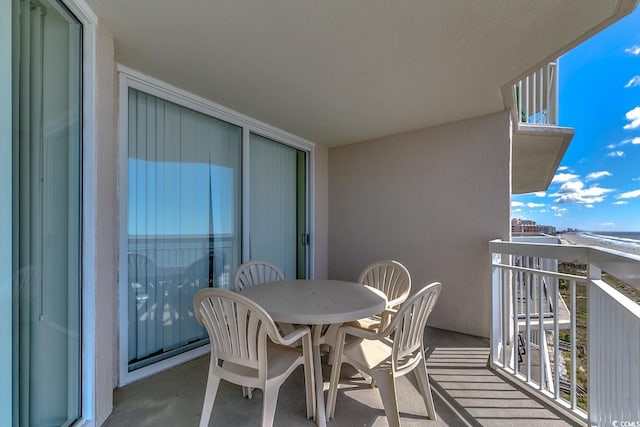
<point>624,266</point>
<point>583,279</point>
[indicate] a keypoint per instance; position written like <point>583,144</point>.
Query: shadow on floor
<point>466,393</point>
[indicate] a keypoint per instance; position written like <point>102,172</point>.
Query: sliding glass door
<point>278,231</point>
<point>184,187</point>
<point>204,193</point>
<point>47,215</point>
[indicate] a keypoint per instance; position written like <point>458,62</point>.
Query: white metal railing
<point>590,363</point>
<point>536,97</point>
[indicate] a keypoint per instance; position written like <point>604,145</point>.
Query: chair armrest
<point>390,311</point>
<point>359,332</point>
<point>294,336</point>
<point>397,301</point>
<point>386,316</point>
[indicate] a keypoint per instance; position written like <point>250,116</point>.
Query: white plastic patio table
<point>317,302</point>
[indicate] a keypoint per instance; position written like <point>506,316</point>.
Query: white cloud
<point>540,194</point>
<point>516,210</point>
<point>621,202</point>
<point>616,154</point>
<point>543,210</point>
<point>516,204</point>
<point>633,50</point>
<point>608,224</point>
<point>634,141</point>
<point>634,118</point>
<point>563,177</point>
<point>630,195</point>
<point>597,175</point>
<point>535,205</point>
<point>596,191</point>
<point>635,81</point>
<point>574,192</point>
<point>563,168</point>
<point>636,179</point>
<point>571,187</point>
<point>590,206</point>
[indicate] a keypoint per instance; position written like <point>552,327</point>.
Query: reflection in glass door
<point>183,232</point>
<point>47,213</point>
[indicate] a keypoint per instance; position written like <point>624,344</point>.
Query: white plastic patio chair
<point>391,278</point>
<point>247,349</point>
<point>394,280</point>
<point>384,359</point>
<point>256,272</point>
<point>252,273</point>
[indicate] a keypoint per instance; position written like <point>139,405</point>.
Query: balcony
<point>538,142</point>
<point>565,349</point>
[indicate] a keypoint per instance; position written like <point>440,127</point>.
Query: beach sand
<point>574,239</point>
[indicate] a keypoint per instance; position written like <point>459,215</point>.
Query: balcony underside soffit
<point>536,154</point>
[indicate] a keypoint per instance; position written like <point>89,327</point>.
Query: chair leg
<point>422,377</point>
<point>387,387</point>
<point>309,384</point>
<point>335,377</point>
<point>329,339</point>
<point>247,392</point>
<point>269,402</point>
<point>213,381</point>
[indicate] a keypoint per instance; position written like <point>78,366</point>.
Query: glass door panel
<point>277,204</point>
<point>184,186</point>
<point>47,212</point>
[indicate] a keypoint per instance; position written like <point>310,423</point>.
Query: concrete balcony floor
<point>466,393</point>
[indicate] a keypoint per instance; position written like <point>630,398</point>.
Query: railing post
<point>496,307</point>
<point>553,93</point>
<point>536,97</point>
<point>593,359</point>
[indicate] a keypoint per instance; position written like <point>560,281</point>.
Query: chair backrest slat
<point>409,323</point>
<point>236,325</point>
<point>390,277</point>
<point>256,272</point>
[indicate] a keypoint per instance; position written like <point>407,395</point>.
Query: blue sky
<point>597,186</point>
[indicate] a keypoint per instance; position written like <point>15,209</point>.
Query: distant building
<point>547,229</point>
<point>528,226</point>
<point>524,226</point>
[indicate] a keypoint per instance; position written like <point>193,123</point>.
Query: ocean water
<point>621,239</point>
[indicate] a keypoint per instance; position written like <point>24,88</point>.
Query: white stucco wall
<point>431,199</point>
<point>106,226</point>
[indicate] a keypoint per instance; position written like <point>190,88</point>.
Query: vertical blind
<point>273,209</point>
<point>184,182</point>
<point>47,212</point>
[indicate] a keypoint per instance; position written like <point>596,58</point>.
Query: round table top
<point>317,301</point>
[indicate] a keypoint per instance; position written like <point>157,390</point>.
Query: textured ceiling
<point>342,71</point>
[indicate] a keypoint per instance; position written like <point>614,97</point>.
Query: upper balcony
<point>538,143</point>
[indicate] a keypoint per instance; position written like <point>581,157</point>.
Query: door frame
<point>129,78</point>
